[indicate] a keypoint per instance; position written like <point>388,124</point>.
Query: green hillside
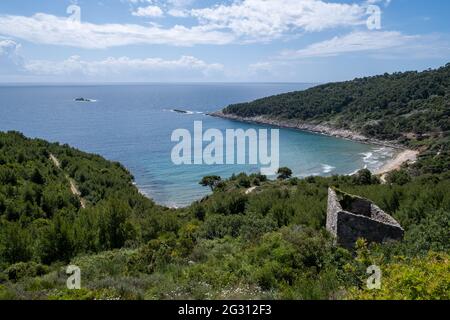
<point>270,243</point>
<point>411,108</point>
<point>387,106</point>
<point>41,219</point>
<point>61,206</point>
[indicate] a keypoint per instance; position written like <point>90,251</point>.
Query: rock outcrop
<point>350,218</point>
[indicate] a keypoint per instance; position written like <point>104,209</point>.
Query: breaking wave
<point>326,168</point>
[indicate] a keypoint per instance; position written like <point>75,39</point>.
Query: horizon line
<point>149,83</point>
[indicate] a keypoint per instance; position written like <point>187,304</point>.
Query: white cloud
<point>180,3</point>
<point>8,47</point>
<point>151,69</point>
<point>10,58</point>
<point>149,11</point>
<point>75,68</point>
<point>385,2</point>
<point>178,13</point>
<point>240,21</point>
<point>174,8</point>
<point>272,18</point>
<point>49,29</point>
<point>137,1</point>
<point>376,45</point>
<point>353,42</point>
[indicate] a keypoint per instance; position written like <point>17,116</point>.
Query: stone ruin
<point>350,218</point>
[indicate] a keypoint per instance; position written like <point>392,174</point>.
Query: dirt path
<point>250,190</point>
<point>55,161</point>
<point>73,185</point>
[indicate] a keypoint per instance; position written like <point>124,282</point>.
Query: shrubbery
<point>267,244</point>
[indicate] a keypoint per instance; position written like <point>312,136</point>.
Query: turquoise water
<point>133,124</point>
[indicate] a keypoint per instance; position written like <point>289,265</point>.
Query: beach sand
<point>397,162</point>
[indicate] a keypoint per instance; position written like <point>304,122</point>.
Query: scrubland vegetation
<point>270,243</point>
<point>234,244</point>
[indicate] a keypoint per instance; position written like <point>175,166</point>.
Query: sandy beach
<point>398,161</point>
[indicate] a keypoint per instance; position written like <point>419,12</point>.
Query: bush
<point>363,177</point>
<point>284,173</point>
<point>218,226</point>
<point>22,270</point>
<point>7,176</point>
<point>115,225</point>
<point>15,243</point>
<point>424,278</point>
<point>400,177</point>
<point>244,182</point>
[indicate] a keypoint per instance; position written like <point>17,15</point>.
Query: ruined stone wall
<point>360,219</point>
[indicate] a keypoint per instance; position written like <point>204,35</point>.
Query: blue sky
<point>219,40</point>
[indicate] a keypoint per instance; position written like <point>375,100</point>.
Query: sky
<point>311,41</point>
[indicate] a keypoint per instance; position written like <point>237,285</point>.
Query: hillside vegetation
<point>234,244</point>
<point>270,243</point>
<point>412,108</point>
<point>387,107</point>
<point>42,220</point>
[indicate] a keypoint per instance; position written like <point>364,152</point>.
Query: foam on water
<point>374,159</point>
<point>326,168</point>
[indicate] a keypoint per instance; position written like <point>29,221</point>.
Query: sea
<point>133,124</point>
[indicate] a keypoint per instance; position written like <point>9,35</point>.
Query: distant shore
<point>404,155</point>
<point>319,128</point>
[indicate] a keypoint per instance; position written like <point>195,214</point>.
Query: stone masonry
<point>350,218</point>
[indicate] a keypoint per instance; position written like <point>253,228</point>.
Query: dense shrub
<point>425,278</point>
<point>22,270</point>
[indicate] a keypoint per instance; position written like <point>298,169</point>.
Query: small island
<point>180,111</point>
<point>83,100</point>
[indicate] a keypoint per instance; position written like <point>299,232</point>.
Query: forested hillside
<point>269,243</point>
<point>397,106</point>
<point>42,220</point>
<point>410,108</point>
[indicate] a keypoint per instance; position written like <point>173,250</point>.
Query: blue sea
<point>133,124</point>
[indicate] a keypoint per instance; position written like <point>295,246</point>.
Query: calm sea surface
<point>133,124</point>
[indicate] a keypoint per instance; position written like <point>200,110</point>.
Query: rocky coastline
<point>319,128</point>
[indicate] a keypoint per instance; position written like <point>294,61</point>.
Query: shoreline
<point>406,156</point>
<point>403,155</point>
<point>318,128</point>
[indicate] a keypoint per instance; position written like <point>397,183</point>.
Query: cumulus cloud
<point>149,69</point>
<point>49,29</point>
<point>272,18</point>
<point>109,69</point>
<point>158,8</point>
<point>259,20</point>
<point>149,11</point>
<point>186,68</point>
<point>8,48</point>
<point>10,58</point>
